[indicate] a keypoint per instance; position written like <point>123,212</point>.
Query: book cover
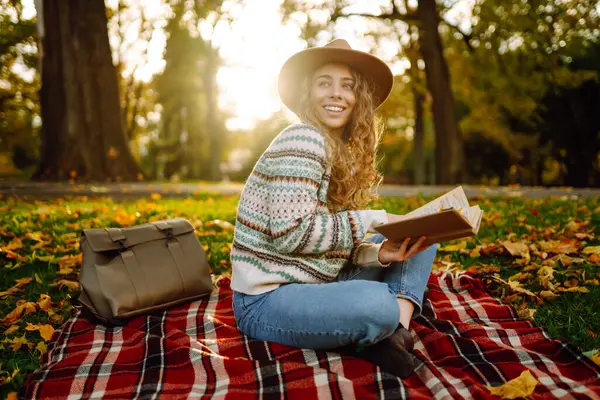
<point>447,217</point>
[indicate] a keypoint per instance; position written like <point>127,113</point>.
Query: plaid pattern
<point>195,351</point>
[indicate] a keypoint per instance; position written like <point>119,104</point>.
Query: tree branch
<point>394,15</point>
<point>466,37</point>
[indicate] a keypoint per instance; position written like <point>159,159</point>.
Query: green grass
<point>574,317</point>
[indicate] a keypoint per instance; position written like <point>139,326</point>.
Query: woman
<point>303,273</point>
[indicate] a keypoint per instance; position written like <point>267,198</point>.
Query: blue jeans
<point>359,308</point>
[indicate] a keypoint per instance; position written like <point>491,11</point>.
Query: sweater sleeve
<point>293,171</point>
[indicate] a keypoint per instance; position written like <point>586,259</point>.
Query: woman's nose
<point>336,91</point>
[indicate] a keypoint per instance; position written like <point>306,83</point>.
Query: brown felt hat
<point>306,61</point>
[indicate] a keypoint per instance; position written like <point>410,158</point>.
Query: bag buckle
<point>122,247</point>
<point>168,236</point>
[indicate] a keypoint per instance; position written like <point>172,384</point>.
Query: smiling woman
<point>299,248</point>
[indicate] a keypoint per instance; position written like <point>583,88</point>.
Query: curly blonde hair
<point>352,156</point>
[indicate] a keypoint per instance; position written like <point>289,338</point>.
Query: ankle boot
<point>390,354</point>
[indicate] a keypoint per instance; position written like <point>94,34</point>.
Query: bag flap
<point>100,239</point>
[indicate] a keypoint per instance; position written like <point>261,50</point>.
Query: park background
<point>119,113</point>
<point>486,92</point>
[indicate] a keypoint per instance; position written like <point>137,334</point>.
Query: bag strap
<point>162,225</point>
<point>115,234</point>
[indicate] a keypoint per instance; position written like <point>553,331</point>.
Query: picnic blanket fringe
<point>195,351</point>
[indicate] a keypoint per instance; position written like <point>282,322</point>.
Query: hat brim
<point>305,62</point>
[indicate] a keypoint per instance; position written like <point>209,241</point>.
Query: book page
<point>455,198</point>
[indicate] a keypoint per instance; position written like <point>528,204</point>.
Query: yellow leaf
<point>454,247</point>
<point>38,279</point>
<point>18,342</point>
<point>30,327</point>
<point>11,329</point>
<point>527,313</point>
<point>37,236</point>
<point>71,285</point>
<point>44,302</point>
<point>522,386</point>
<point>548,295</point>
<point>591,250</point>
<point>155,196</point>
<point>596,358</point>
<point>46,331</point>
<point>42,348</point>
<point>516,249</point>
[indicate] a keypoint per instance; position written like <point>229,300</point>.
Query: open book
<point>445,218</point>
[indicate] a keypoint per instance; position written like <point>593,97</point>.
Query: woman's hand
<point>399,251</point>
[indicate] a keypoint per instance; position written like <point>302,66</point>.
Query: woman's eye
<point>349,86</point>
<point>323,84</point>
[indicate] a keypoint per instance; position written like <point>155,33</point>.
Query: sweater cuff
<point>369,256</point>
<point>379,218</point>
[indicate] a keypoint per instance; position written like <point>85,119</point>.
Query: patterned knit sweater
<point>284,232</point>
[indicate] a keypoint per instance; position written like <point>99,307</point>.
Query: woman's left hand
<point>399,251</point>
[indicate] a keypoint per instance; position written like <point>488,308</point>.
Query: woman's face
<point>332,93</point>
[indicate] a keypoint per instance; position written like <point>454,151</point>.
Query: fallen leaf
<point>454,247</point>
<point>44,302</point>
<point>522,386</point>
<point>516,249</point>
<point>22,307</point>
<point>591,250</point>
<point>596,358</point>
<point>42,348</point>
<point>11,329</point>
<point>46,331</point>
<point>591,333</point>
<point>527,313</point>
<point>71,285</point>
<point>548,295</point>
<point>11,396</point>
<point>18,342</point>
<point>566,261</point>
<point>38,279</point>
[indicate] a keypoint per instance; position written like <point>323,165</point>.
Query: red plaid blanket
<point>195,351</point>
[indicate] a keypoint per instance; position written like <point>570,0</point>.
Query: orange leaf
<point>596,358</point>
<point>71,285</point>
<point>15,315</point>
<point>44,302</point>
<point>522,386</point>
<point>14,244</point>
<point>11,329</point>
<point>11,396</point>
<point>46,331</point>
<point>23,281</point>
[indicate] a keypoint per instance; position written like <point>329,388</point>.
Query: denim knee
<point>379,313</point>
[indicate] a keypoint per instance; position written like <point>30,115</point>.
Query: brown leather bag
<point>132,271</point>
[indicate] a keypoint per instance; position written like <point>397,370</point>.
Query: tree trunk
<point>419,138</point>
<point>448,140</point>
<point>82,133</point>
<point>215,130</point>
